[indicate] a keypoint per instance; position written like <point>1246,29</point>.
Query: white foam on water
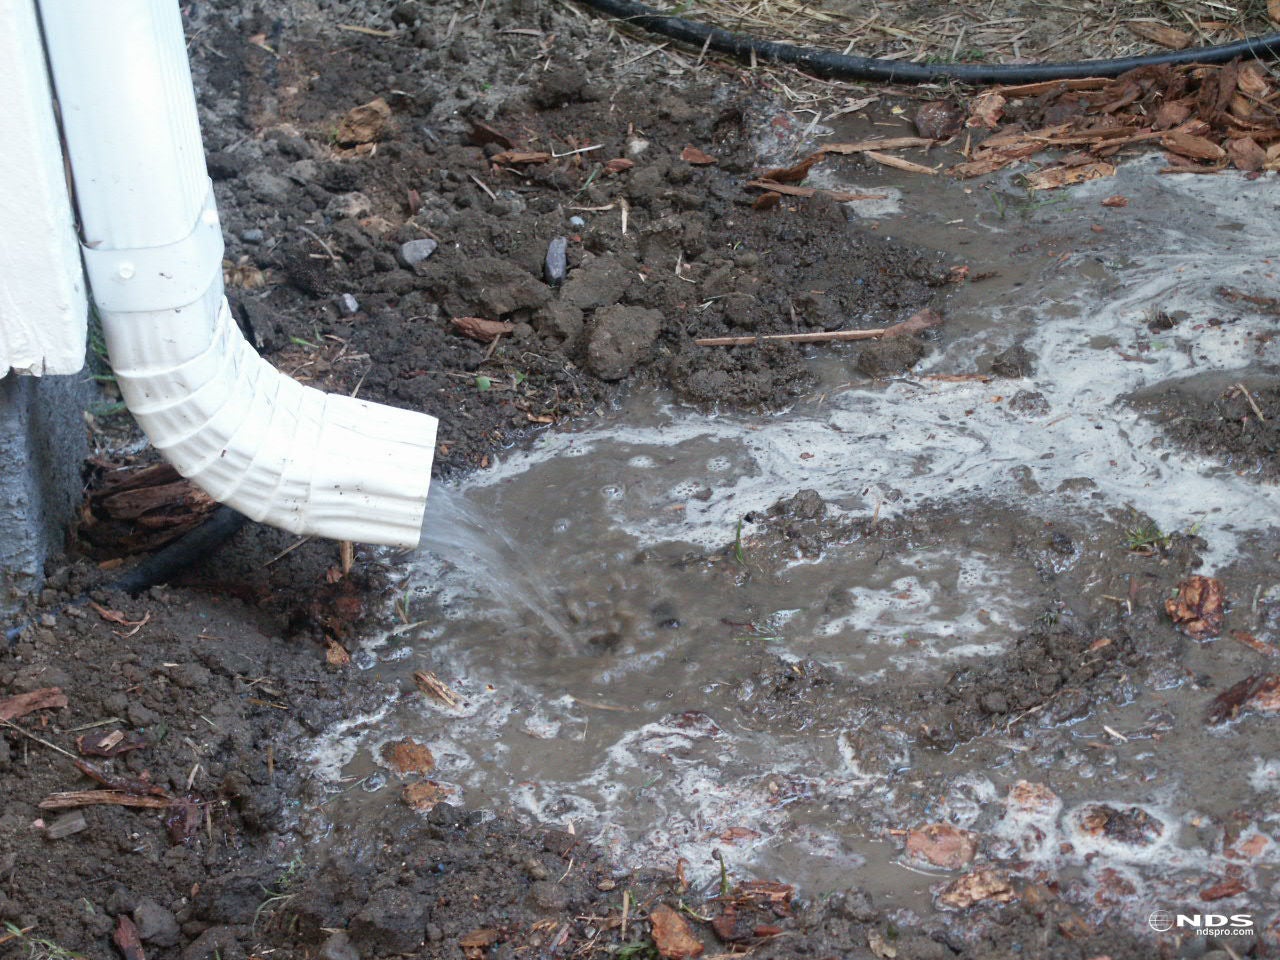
<point>338,745</point>
<point>937,441</point>
<point>661,791</point>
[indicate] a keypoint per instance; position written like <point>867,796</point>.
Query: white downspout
<point>253,438</point>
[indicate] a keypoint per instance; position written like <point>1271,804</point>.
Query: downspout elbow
<point>280,452</point>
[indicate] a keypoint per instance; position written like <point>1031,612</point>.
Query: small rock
<point>548,895</point>
<point>348,305</point>
<point>338,947</point>
<point>141,716</point>
<point>252,235</point>
<point>415,252</point>
<point>1014,363</point>
<point>216,943</point>
<point>577,222</point>
<point>223,166</point>
<point>268,187</point>
<point>121,900</point>
<point>890,357</point>
<point>939,119</point>
<point>598,282</point>
<point>64,826</point>
<point>1029,403</point>
<point>351,206</point>
<point>556,261</point>
<point>156,925</point>
<point>406,14</point>
<point>994,702</point>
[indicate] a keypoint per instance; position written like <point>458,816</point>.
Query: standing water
<point>716,696</point>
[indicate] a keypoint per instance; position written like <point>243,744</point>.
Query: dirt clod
<point>619,338</point>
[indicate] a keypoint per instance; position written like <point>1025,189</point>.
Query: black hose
<point>163,565</point>
<point>837,66</point>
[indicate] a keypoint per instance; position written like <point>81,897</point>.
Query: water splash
<point>457,531</point>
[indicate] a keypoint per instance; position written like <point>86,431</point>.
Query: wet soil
<point>1232,420</point>
<point>237,676</point>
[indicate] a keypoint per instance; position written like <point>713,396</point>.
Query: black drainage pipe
<point>837,66</point>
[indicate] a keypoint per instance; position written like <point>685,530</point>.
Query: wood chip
<point>1198,609</point>
<point>1246,154</point>
<point>110,743</point>
<point>1220,891</point>
<point>1260,692</point>
<point>127,939</point>
<point>482,134</point>
<point>1253,643</point>
<point>408,756</point>
<point>943,845</point>
<point>335,654</point>
<point>520,157</point>
<point>1055,177</point>
<point>1192,147</point>
<point>792,174</point>
<point>916,324</point>
<point>986,110</point>
<point>696,157</point>
<point>475,943</point>
<point>619,165</point>
<point>426,795</point>
<point>980,167</point>
<point>477,328</point>
<point>898,163</point>
<point>839,196</point>
<point>1116,200</point>
<point>672,936</point>
<point>981,886</point>
<point>115,616</point>
<point>90,798</point>
<point>20,704</point>
<point>1165,36</point>
<point>1033,799</point>
<point>1052,86</point>
<point>884,143</point>
<point>432,686</point>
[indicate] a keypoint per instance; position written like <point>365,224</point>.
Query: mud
<point>1230,419</point>
<point>812,599</point>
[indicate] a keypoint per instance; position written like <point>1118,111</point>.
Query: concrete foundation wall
<point>43,445</point>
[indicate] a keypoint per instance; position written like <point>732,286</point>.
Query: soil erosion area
<point>503,215</point>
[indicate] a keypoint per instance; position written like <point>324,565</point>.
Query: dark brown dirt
<point>695,259</point>
<point>227,680</point>
<point>1212,415</point>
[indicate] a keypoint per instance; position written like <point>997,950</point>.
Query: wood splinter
<point>917,323</point>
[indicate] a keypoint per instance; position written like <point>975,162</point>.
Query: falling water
<point>457,531</point>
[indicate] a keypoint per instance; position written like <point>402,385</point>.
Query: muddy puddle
<point>653,652</point>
